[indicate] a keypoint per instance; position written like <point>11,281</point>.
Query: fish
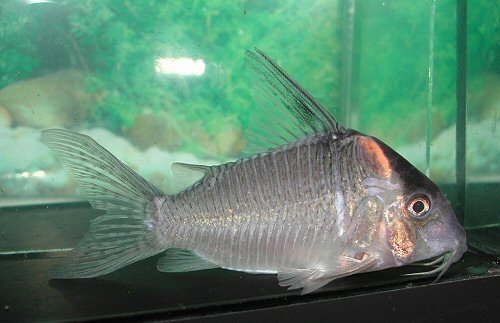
<point>314,201</point>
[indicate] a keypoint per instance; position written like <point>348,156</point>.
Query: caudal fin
<point>121,236</point>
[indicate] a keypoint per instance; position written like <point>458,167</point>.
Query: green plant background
<point>117,42</point>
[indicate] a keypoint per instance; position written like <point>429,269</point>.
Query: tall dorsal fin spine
<point>286,111</point>
<point>333,125</point>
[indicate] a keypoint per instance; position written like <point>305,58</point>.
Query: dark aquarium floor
<point>470,291</point>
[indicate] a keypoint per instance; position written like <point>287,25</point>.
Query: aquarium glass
<point>154,82</point>
<point>482,158</point>
<point>405,80</point>
<point>158,82</point>
<point>404,90</point>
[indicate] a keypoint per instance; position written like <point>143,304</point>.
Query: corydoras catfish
<point>317,203</point>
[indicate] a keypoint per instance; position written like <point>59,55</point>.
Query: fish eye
<point>419,206</point>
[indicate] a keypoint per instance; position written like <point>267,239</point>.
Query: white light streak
<point>28,2</point>
<point>25,174</point>
<point>180,66</point>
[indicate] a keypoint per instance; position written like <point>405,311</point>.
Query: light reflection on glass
<point>25,174</point>
<point>37,1</point>
<point>180,66</point>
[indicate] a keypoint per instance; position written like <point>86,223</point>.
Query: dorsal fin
<point>286,111</point>
<point>204,169</point>
<point>186,175</point>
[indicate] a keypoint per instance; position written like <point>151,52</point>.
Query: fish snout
<point>445,234</point>
<point>456,234</point>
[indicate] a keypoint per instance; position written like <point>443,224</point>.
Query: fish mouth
<point>442,263</point>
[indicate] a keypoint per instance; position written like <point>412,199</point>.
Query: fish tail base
<point>126,232</point>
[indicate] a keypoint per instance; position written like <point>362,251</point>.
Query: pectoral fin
<point>180,260</point>
<point>311,279</point>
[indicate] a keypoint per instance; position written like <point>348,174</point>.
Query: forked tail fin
<point>121,236</point>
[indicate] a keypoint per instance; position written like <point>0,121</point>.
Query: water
<point>157,83</point>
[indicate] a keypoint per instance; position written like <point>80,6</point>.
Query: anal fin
<point>311,279</point>
<point>181,260</point>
